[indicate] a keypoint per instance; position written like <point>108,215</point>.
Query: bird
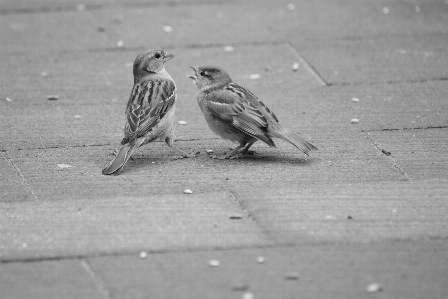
<point>236,114</point>
<point>150,108</point>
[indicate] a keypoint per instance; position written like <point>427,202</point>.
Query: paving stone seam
<point>102,144</point>
<point>128,4</point>
<point>99,282</point>
<point>406,129</point>
<point>135,252</point>
<point>391,160</point>
<point>19,173</point>
<point>308,66</point>
<point>435,79</point>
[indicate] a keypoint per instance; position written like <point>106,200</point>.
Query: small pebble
<point>214,263</point>
<point>387,153</point>
<point>120,43</point>
<point>143,254</point>
<point>24,245</point>
<point>209,151</point>
<point>167,29</point>
<point>394,211</point>
<point>248,296</point>
<point>101,29</point>
<point>386,10</point>
<point>349,217</point>
<point>78,116</point>
<point>81,7</point>
<point>260,259</point>
<point>330,217</point>
<point>229,49</point>
<point>373,288</point>
<point>188,191</point>
<point>292,276</point>
<point>236,216</point>
<point>44,74</point>
<point>290,7</point>
<point>64,166</point>
<point>254,76</point>
<point>354,121</point>
<point>53,98</point>
<point>295,66</point>
<point>8,99</point>
<point>356,100</point>
<point>182,122</point>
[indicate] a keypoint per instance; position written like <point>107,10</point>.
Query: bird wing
<point>235,105</point>
<point>148,103</point>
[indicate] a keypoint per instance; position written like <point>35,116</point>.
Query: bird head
<point>150,62</point>
<point>207,77</point>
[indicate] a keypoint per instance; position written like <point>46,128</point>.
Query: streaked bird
<point>236,114</point>
<point>150,109</point>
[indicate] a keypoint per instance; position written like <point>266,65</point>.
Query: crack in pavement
<point>303,61</point>
<point>99,283</point>
<point>19,174</point>
<point>387,154</point>
<point>252,217</point>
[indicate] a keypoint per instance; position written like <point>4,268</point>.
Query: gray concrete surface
<point>369,207</point>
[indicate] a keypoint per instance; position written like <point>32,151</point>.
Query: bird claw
<point>252,153</point>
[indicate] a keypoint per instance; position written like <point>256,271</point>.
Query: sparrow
<point>236,114</point>
<point>150,109</point>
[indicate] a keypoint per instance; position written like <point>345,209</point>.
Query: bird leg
<point>169,141</point>
<point>247,151</point>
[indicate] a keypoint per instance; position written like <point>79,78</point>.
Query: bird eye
<point>157,56</point>
<point>202,73</point>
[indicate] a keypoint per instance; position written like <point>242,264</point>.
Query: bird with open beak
<point>236,114</point>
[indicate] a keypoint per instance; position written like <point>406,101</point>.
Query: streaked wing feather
<point>148,103</point>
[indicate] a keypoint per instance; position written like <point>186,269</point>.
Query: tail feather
<point>117,164</point>
<point>293,138</point>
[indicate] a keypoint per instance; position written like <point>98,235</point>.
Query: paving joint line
<point>19,174</point>
<point>441,79</point>
<point>252,217</point>
<point>186,46</point>
<point>387,154</point>
<point>93,7</point>
<point>303,61</point>
<point>407,129</point>
<point>99,283</point>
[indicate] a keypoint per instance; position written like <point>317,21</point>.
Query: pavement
<point>366,216</point>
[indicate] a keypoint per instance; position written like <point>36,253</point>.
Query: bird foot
<point>251,153</point>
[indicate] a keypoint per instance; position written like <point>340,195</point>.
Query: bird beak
<point>195,76</point>
<point>167,56</point>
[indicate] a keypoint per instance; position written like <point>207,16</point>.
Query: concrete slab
<point>347,212</point>
<point>50,32</point>
<point>378,59</point>
<point>420,154</point>
<point>50,279</point>
<point>380,107</point>
<point>402,269</point>
<point>117,225</point>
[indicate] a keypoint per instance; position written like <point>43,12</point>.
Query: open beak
<point>195,76</point>
<point>167,56</point>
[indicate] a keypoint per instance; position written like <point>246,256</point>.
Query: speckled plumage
<point>236,114</point>
<point>150,109</point>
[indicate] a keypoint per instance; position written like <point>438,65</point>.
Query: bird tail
<point>117,164</point>
<point>294,139</point>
